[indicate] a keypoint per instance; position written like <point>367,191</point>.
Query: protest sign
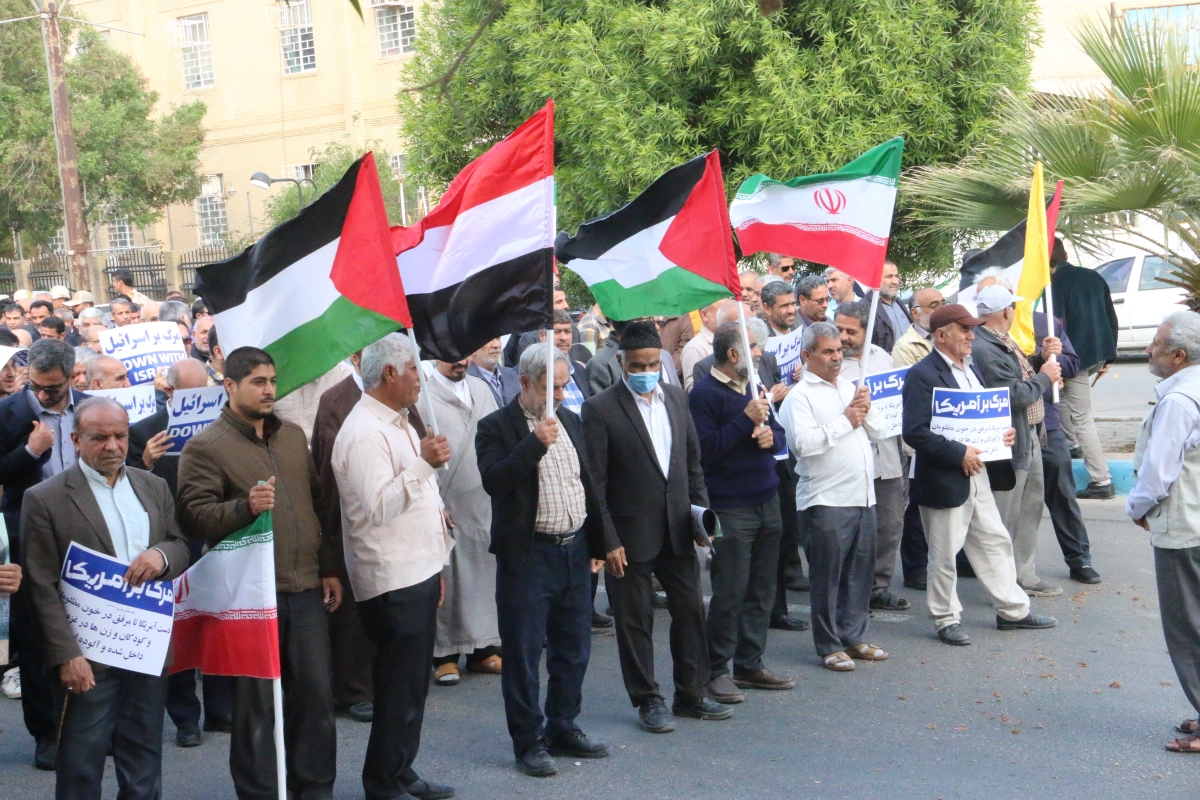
<point>191,411</point>
<point>977,418</point>
<point>144,348</point>
<point>114,623</point>
<point>786,350</point>
<point>139,401</point>
<point>886,390</point>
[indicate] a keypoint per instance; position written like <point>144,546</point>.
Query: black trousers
<point>544,600</point>
<point>1069,529</point>
<point>632,599</point>
<point>789,540</point>
<point>351,649</point>
<point>914,550</point>
<point>25,639</point>
<point>744,564</point>
<point>308,727</point>
<point>402,625</point>
<point>125,711</point>
<point>183,706</point>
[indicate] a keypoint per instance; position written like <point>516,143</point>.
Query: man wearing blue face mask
<point>645,462</point>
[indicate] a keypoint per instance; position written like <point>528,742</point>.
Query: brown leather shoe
<point>723,690</point>
<point>763,679</point>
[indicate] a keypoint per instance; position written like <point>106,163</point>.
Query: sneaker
<point>1097,491</point>
<point>10,685</point>
<point>1042,589</point>
<point>1085,575</point>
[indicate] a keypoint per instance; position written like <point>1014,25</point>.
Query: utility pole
<point>68,156</point>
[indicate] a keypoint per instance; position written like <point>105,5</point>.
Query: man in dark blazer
<point>148,443</point>
<point>485,365</point>
<point>894,317</point>
<point>953,488</point>
<point>548,539</point>
<point>645,460</point>
<point>96,503</point>
<point>35,444</point>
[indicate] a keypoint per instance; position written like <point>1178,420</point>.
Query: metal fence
<point>193,260</point>
<point>8,277</point>
<point>148,268</point>
<point>50,269</point>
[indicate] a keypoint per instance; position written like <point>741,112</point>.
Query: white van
<point>1141,298</point>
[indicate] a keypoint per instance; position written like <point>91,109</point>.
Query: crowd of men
<point>404,557</point>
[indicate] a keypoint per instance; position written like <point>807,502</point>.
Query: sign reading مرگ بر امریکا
<point>191,411</point>
<point>144,348</point>
<point>139,401</point>
<point>887,389</point>
<point>786,349</point>
<point>114,623</point>
<point>977,418</point>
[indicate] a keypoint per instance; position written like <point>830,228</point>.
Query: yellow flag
<point>1035,272</point>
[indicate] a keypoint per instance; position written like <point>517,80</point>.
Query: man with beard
<point>779,307</point>
<point>502,380</point>
<point>892,319</point>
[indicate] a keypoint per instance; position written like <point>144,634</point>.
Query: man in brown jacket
<point>246,462</point>
<point>130,515</point>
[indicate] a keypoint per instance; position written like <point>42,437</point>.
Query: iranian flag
<point>841,219</point>
<point>316,288</point>
<point>667,252</point>
<point>225,611</point>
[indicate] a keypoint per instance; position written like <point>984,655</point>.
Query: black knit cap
<point>639,335</point>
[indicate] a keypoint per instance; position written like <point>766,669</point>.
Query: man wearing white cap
<point>80,301</point>
<point>59,295</point>
<point>1003,364</point>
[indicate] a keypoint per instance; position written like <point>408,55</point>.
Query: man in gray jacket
<point>1002,364</point>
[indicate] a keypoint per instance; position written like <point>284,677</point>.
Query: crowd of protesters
<point>406,558</point>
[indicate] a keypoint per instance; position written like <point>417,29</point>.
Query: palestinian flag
<point>481,263</point>
<point>315,289</point>
<point>667,252</point>
<point>1009,249</point>
<point>225,610</point>
<point>841,219</point>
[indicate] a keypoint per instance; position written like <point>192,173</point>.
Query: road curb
<point>1121,470</point>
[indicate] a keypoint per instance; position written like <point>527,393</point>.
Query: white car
<point>1141,298</point>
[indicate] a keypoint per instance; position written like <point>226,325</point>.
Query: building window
<point>299,172</point>
<point>399,164</point>
<point>197,52</point>
<point>58,242</point>
<point>210,212</point>
<point>296,37</point>
<point>396,27</point>
<point>120,234</point>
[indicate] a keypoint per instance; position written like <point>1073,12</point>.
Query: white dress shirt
<point>1176,431</point>
<point>658,423</point>
<point>392,524</point>
<point>127,521</point>
<point>964,375</point>
<point>887,451</point>
<point>834,462</point>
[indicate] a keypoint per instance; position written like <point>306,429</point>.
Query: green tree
<point>133,162</point>
<point>642,86</point>
<point>1131,152</point>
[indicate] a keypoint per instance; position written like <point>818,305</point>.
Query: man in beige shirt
<point>396,544</point>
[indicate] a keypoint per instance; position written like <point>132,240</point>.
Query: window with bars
<point>399,163</point>
<point>210,213</point>
<point>58,242</point>
<point>296,37</point>
<point>396,27</point>
<point>196,51</point>
<point>120,234</point>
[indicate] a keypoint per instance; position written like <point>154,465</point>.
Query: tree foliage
<point>642,85</point>
<point>1134,150</point>
<point>133,161</point>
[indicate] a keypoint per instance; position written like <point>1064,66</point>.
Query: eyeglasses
<point>53,390</point>
<point>824,301</point>
<point>787,268</point>
<point>187,340</point>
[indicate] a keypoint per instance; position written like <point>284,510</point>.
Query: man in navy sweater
<point>739,440</point>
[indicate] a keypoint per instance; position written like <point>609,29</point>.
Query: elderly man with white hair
<point>1166,499</point>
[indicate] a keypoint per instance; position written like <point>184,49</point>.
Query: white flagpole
<point>862,369</point>
<point>753,372</point>
<point>550,333</point>
<point>412,337</point>
<point>1050,332</point>
<point>280,755</point>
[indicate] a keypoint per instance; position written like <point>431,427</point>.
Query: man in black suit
<point>645,460</point>
<point>953,487</point>
<point>485,365</point>
<point>148,444</point>
<point>548,539</point>
<point>35,444</point>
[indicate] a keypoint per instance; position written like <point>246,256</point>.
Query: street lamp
<point>263,181</point>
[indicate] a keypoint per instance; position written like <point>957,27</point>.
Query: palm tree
<point>1131,151</point>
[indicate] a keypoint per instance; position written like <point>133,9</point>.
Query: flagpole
<point>752,372</point>
<point>280,754</point>
<point>1050,332</point>
<point>550,333</point>
<point>412,337</point>
<point>862,370</point>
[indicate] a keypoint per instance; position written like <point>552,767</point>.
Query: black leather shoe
<point>362,712</point>
<point>576,744</point>
<point>1076,452</point>
<point>704,708</point>
<point>1085,575</point>
<point>536,761</point>
<point>187,737</point>
<point>654,717</point>
<point>427,790</point>
<point>1095,491</point>
<point>45,753</point>
<point>1030,622</point>
<point>920,584</point>
<point>660,600</point>
<point>218,725</point>
<point>788,624</point>
<point>798,584</point>
<point>954,634</point>
<point>601,621</point>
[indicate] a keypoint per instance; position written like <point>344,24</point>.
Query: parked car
<point>1142,299</point>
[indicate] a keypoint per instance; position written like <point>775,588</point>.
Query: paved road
<point>1125,390</point>
<point>1081,711</point>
